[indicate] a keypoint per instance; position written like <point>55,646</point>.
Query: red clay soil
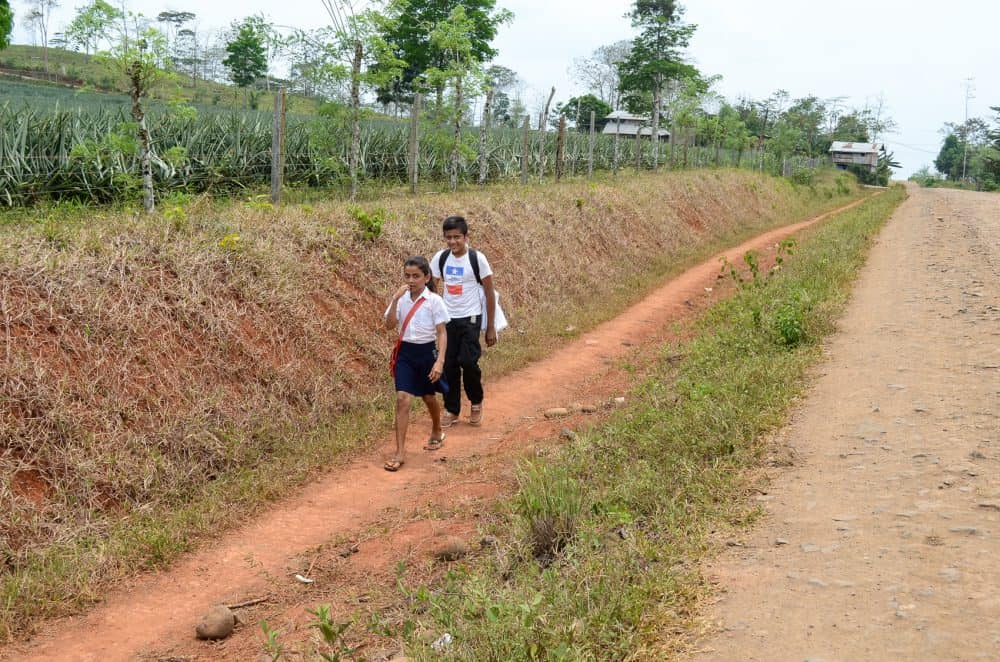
<point>158,612</point>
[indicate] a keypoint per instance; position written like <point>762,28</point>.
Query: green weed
<point>369,225</point>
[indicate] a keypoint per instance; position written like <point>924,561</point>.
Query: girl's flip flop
<point>434,444</point>
<point>392,465</point>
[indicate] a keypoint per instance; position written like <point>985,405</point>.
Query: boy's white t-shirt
<point>461,291</point>
<point>422,326</point>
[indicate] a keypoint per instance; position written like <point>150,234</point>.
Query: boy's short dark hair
<point>455,223</point>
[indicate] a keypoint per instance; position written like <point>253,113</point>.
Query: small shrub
<point>803,176</point>
<point>369,225</point>
<point>333,635</point>
<point>549,502</point>
<point>788,322</point>
<point>231,242</point>
<point>843,184</point>
<point>178,219</point>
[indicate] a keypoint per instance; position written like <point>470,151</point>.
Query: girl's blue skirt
<point>413,364</point>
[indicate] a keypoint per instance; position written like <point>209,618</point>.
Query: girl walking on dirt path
<point>419,316</point>
<point>463,282</point>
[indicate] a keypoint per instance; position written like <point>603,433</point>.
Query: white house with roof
<point>628,125</point>
<point>846,154</point>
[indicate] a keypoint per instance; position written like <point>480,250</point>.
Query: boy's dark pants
<point>461,363</point>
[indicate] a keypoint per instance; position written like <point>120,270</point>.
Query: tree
<point>355,45</point>
<point>850,128</point>
<point>454,38</point>
<point>599,71</point>
<point>6,23</point>
<point>92,25</point>
<point>174,20</point>
<point>655,58</point>
<point>578,110</point>
<point>991,155</point>
<point>37,20</point>
<point>409,31</point>
<point>314,63</point>
<point>186,53</point>
<point>137,54</point>
<point>807,116</point>
<point>502,81</point>
<point>247,59</point>
<point>949,159</point>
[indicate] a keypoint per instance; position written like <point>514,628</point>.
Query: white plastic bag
<point>500,320</point>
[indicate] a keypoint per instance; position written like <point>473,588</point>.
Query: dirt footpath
<point>881,541</point>
<point>157,613</point>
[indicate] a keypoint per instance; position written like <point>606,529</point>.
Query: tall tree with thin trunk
<point>92,25</point>
<point>655,58</point>
<point>461,70</point>
<point>541,134</point>
<point>38,20</point>
<point>357,38</point>
<point>136,55</point>
<point>484,129</point>
<point>598,72</point>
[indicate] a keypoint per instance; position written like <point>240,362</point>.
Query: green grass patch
<point>600,546</point>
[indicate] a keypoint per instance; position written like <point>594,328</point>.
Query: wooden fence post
<point>484,128</point>
<point>560,147</point>
<point>525,145</point>
<point>278,146</point>
<point>590,148</point>
<point>614,158</point>
<point>413,166</point>
<point>638,149</point>
<point>541,134</point>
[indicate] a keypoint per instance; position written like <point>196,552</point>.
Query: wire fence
<point>93,155</point>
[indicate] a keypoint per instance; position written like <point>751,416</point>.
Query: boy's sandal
<point>476,415</point>
<point>392,465</point>
<point>433,443</point>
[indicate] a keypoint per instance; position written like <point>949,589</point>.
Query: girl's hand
<point>436,371</point>
<point>403,289</point>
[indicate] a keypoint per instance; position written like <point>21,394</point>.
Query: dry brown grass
<point>150,360</point>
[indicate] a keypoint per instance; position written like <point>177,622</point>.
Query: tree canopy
<point>247,59</point>
<point>6,23</point>
<point>599,71</point>
<point>655,58</point>
<point>577,110</point>
<point>409,29</point>
<point>92,25</point>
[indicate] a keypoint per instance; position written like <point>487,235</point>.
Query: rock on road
<point>882,540</point>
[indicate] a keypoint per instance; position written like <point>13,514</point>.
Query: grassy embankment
<point>600,547</point>
<point>165,377</point>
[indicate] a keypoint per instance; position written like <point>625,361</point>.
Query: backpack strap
<point>473,260</point>
<point>441,260</point>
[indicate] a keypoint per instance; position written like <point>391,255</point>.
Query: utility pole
<point>969,87</point>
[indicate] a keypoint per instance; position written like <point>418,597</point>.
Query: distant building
<point>858,154</point>
<point>625,124</point>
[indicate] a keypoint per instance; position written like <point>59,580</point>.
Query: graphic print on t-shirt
<point>454,289</point>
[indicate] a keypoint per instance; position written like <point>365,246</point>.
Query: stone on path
<point>218,623</point>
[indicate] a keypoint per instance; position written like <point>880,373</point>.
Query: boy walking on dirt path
<point>468,296</point>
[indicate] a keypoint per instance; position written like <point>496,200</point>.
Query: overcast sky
<point>916,54</point>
